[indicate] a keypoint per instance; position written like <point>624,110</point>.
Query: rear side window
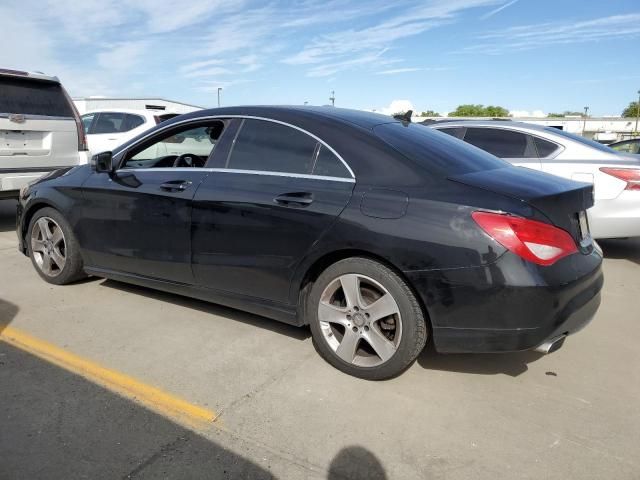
<point>442,155</point>
<point>545,148</point>
<point>32,97</point>
<point>499,142</point>
<point>108,122</point>
<point>131,121</point>
<point>328,165</point>
<point>271,147</point>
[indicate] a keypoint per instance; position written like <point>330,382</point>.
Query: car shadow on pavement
<point>623,249</point>
<point>512,364</point>
<point>7,215</point>
<point>299,333</point>
<point>57,424</point>
<point>8,311</point>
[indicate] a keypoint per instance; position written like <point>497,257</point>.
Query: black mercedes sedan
<point>376,233</point>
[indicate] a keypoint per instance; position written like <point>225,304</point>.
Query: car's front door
<point>254,219</point>
<point>137,220</point>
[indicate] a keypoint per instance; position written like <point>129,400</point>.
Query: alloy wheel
<point>360,320</point>
<point>48,246</point>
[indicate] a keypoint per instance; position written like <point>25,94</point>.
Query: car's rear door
<point>137,220</point>
<point>277,190</point>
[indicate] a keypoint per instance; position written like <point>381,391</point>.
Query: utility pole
<point>584,124</point>
<point>637,112</point>
<point>219,89</point>
<point>332,98</point>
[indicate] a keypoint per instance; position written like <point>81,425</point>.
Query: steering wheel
<point>188,160</point>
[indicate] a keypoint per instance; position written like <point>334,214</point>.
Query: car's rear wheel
<point>53,248</point>
<point>365,319</point>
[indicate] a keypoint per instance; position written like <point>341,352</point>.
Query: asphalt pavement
<point>280,410</point>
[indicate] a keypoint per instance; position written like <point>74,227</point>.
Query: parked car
<point>631,146</point>
<point>40,129</point>
<point>107,129</point>
<point>376,233</point>
<point>615,176</point>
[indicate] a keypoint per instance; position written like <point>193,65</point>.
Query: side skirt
<point>282,313</point>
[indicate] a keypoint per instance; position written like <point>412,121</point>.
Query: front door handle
<point>175,185</point>
<point>294,199</point>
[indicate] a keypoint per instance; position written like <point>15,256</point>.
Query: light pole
<point>637,112</point>
<point>333,98</point>
<point>584,124</point>
<point>219,90</point>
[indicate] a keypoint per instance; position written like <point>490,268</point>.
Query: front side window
<point>183,147</point>
<point>500,142</point>
<point>271,147</point>
<point>108,122</point>
<point>86,121</point>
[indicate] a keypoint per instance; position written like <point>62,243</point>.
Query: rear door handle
<point>175,185</point>
<point>294,199</point>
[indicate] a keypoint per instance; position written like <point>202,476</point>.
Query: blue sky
<point>525,55</point>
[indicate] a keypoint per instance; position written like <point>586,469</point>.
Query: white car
<point>109,128</point>
<point>614,175</point>
<point>40,130</point>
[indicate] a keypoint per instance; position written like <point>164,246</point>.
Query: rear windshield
<point>440,153</point>
<point>33,97</point>
<point>582,140</point>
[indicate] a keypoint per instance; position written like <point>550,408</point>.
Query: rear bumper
<point>616,218</point>
<point>510,305</point>
<point>13,182</point>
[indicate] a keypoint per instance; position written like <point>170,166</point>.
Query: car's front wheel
<point>365,319</point>
<point>53,248</point>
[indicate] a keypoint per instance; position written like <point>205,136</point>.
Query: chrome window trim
<point>31,116</point>
<point>231,170</point>
<point>222,117</point>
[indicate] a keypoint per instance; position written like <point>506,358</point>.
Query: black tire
<point>413,326</point>
<point>73,268</point>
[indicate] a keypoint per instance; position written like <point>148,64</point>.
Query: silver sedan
<point>614,175</point>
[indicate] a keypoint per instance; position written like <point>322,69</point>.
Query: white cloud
<point>349,44</point>
<point>527,113</point>
<point>497,10</point>
<point>395,71</point>
<point>527,37</point>
<point>122,56</point>
<point>395,106</point>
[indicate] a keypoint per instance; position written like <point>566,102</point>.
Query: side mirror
<point>102,162</point>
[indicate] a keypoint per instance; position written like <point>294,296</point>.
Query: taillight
<point>82,138</point>
<point>629,175</point>
<point>537,242</point>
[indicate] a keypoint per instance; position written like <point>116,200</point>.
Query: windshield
<point>580,139</point>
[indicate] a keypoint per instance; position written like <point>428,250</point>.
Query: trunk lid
<point>559,199</point>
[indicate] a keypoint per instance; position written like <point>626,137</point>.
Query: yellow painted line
<point>149,396</point>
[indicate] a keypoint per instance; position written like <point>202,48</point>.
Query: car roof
<point>6,72</point>
<point>359,118</point>
<point>139,111</point>
<point>506,123</point>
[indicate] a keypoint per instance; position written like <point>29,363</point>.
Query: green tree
<point>430,113</point>
<point>470,110</point>
<point>631,110</point>
<point>495,111</point>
